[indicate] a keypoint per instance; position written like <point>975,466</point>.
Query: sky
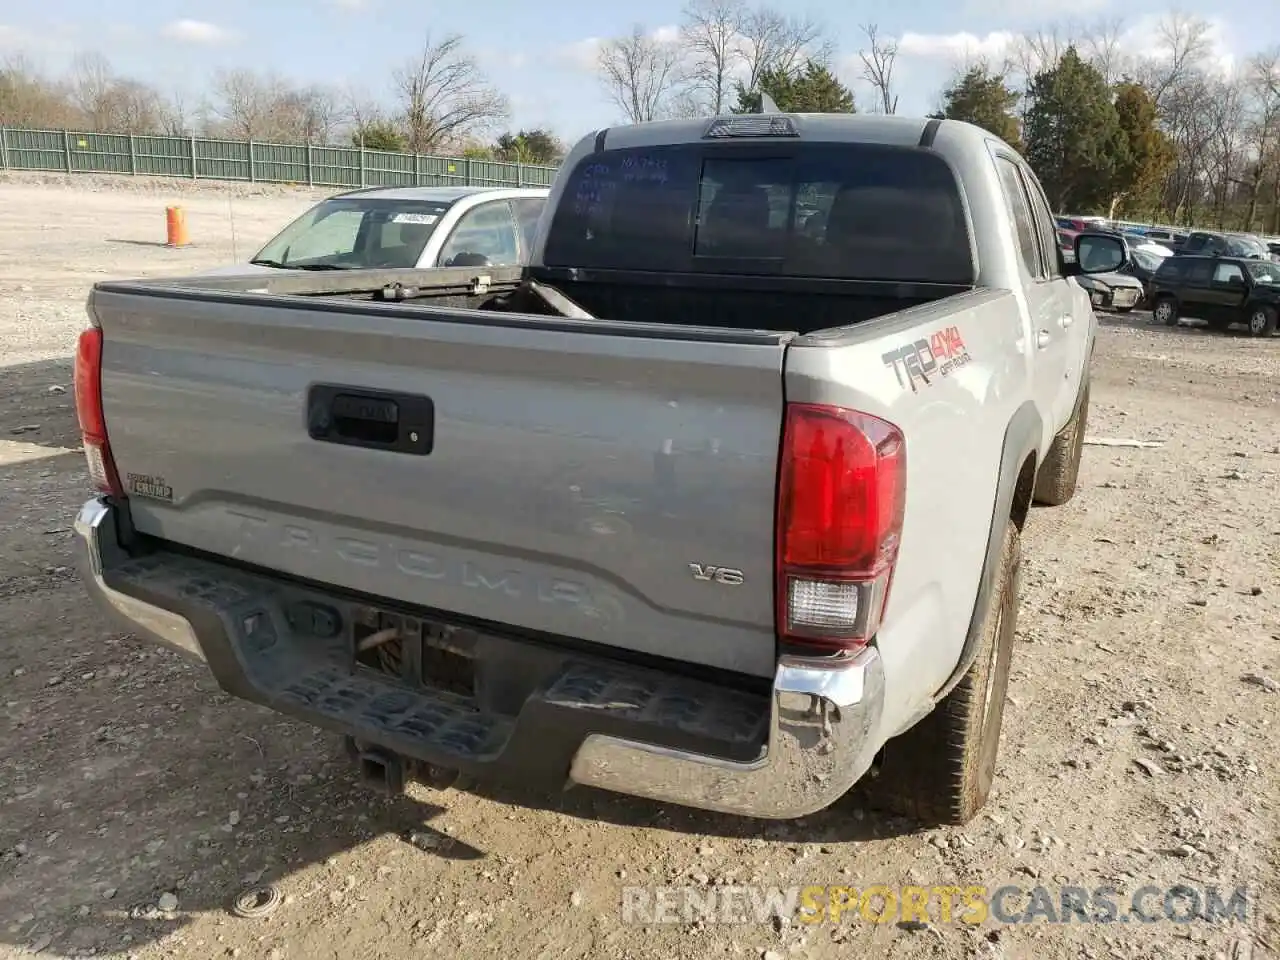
<point>541,54</point>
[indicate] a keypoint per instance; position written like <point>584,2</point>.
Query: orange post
<point>175,223</point>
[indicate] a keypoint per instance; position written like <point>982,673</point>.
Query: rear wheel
<point>1262,321</point>
<point>1166,311</point>
<point>1057,476</point>
<point>942,769</point>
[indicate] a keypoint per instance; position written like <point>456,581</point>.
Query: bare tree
<point>243,102</point>
<point>712,41</point>
<point>92,86</point>
<point>1191,127</point>
<point>774,41</point>
<point>444,96</point>
<point>1184,45</point>
<point>877,67</point>
<point>310,115</point>
<point>1262,131</point>
<point>29,99</point>
<point>1101,46</point>
<point>175,115</point>
<point>642,74</point>
<point>108,103</point>
<point>1225,152</point>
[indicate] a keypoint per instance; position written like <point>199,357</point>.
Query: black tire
<point>942,769</point>
<point>1169,316</point>
<point>1262,321</point>
<point>1057,476</point>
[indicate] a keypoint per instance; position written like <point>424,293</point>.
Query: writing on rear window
<point>922,361</point>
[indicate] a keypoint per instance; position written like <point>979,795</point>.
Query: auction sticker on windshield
<point>424,218</point>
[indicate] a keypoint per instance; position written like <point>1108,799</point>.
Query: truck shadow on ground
<point>850,820</point>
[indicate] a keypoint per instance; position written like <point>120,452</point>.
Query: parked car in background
<point>1218,290</point>
<point>1067,241</point>
<point>1113,290</point>
<point>1172,239</point>
<point>1209,244</point>
<point>1143,264</point>
<point>405,227</point>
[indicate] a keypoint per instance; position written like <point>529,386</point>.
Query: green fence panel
<point>222,159</point>
<point>385,169</point>
<point>441,171</point>
<point>335,166</point>
<point>75,151</point>
<point>36,149</point>
<point>162,156</point>
<point>280,162</point>
<point>489,173</point>
<point>99,152</point>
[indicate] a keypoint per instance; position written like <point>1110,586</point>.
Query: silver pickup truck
<point>717,503</point>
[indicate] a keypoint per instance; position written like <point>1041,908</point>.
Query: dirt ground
<point>1139,749</point>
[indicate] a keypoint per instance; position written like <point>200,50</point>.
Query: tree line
<point>441,102</point>
<point>1169,135</point>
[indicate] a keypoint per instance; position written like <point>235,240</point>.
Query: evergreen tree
<point>1151,154</point>
<point>1074,141</point>
<point>529,146</point>
<point>379,135</point>
<point>981,97</point>
<point>811,88</point>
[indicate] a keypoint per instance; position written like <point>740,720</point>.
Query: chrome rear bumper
<point>823,724</point>
<point>822,739</point>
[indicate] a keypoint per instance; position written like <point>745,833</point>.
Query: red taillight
<point>93,424</point>
<point>841,491</point>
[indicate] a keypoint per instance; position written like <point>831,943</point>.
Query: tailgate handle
<point>377,419</point>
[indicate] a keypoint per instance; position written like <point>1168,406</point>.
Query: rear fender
<point>1021,438</point>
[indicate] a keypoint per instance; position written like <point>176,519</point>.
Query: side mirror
<point>1099,253</point>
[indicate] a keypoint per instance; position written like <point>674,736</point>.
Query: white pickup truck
<point>718,503</point>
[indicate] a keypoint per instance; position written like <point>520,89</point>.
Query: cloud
<point>1143,39</point>
<point>1028,11</point>
<point>1146,39</point>
<point>581,54</point>
<point>585,54</point>
<point>195,31</point>
<point>496,58</point>
<point>667,34</point>
<point>12,37</point>
<point>351,6</point>
<point>956,46</point>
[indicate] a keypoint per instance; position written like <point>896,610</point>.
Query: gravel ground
<point>136,801</point>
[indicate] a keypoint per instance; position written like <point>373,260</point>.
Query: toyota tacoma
<point>717,502</point>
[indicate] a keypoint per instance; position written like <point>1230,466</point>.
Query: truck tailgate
<point>583,480</point>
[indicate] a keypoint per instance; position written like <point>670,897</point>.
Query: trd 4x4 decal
<point>922,360</point>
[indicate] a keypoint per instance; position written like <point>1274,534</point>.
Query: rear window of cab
<point>850,211</point>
